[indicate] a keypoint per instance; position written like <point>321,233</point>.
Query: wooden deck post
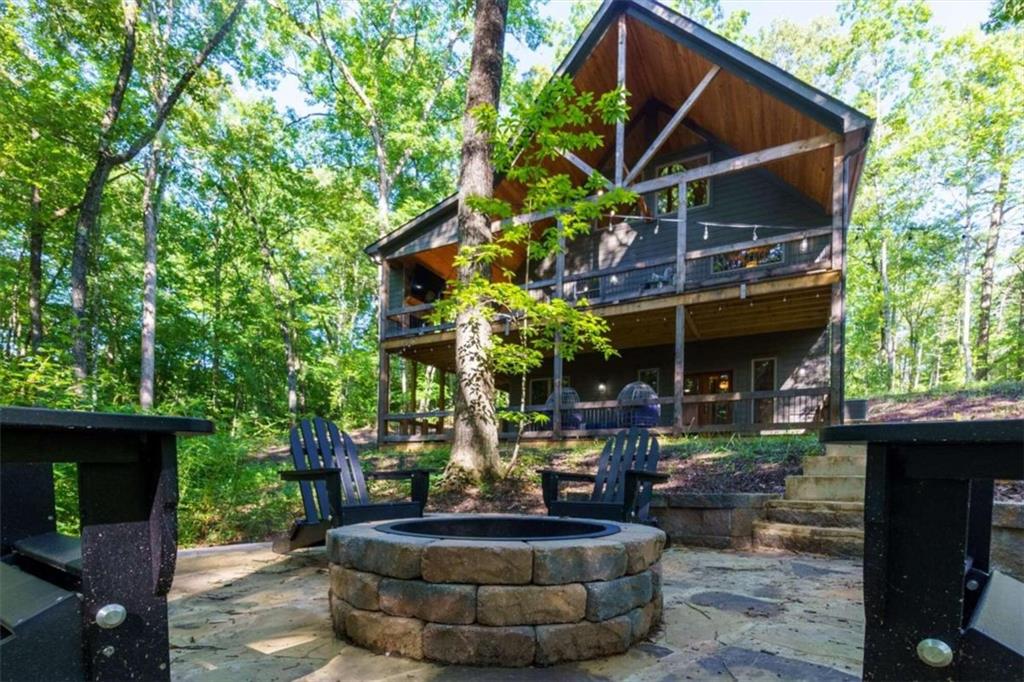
<point>442,384</point>
<point>383,359</point>
<point>681,238</point>
<point>680,335</point>
<point>556,360</point>
<point>620,126</point>
<point>837,315</point>
<point>678,383</point>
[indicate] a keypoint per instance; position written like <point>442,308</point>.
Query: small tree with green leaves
<point>558,120</point>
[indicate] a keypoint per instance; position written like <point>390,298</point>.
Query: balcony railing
<point>775,256</point>
<point>750,411</point>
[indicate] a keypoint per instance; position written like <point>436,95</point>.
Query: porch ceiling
<point>788,311</point>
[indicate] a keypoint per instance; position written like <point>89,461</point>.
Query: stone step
<point>828,514</point>
<point>840,488</point>
<point>835,465</point>
<point>846,542</point>
<point>856,449</point>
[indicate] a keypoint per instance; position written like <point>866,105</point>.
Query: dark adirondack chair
<point>625,475</point>
<point>333,485</point>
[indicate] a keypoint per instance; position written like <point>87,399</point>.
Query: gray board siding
<point>801,362</point>
<point>750,197</point>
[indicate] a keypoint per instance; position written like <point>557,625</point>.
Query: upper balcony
<point>629,261</point>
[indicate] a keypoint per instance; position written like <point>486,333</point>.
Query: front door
<point>708,383</point>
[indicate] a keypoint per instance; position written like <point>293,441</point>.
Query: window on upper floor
<point>697,193</point>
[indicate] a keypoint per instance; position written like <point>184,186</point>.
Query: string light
<point>705,233</point>
<point>755,234</point>
<point>803,245</point>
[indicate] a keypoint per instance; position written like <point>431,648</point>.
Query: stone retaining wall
<point>716,520</point>
<point>1008,538</point>
<point>495,602</point>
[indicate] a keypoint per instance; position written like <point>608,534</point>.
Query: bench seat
<point>62,552</point>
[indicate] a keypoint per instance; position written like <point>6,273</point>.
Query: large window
<point>753,257</point>
<point>698,193</point>
<point>650,377</point>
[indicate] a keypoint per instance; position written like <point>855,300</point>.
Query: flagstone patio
<point>243,612</point>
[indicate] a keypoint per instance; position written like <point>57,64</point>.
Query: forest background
<point>224,265</point>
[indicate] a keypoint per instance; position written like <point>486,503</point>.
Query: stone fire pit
<point>495,590</point>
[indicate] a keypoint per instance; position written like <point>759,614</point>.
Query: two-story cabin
<point>723,286</point>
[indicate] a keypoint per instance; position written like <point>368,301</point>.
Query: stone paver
<point>246,613</point>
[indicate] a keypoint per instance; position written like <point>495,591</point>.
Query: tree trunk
<point>106,160</point>
<point>995,223</point>
<point>888,335</point>
<point>35,271</point>
<point>84,226</point>
<point>475,442</point>
<point>152,194</point>
<point>965,311</point>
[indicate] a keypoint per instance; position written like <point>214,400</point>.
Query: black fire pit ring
<point>500,527</point>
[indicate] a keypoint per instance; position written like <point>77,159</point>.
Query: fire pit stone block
<point>356,587</point>
<point>466,561</point>
<point>566,561</point>
<point>434,602</point>
<point>512,647</point>
<point>583,640</point>
<point>531,604</point>
<point>612,598</point>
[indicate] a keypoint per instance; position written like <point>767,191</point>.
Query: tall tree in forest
<point>153,179</point>
<point>387,76</point>
<point>109,154</point>
<point>475,441</point>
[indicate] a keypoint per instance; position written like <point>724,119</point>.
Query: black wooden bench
<point>333,486</point>
<point>95,606</point>
<point>934,608</point>
<point>626,473</point>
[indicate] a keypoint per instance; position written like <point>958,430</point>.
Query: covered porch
<point>750,358</point>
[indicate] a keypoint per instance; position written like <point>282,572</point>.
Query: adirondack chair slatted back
<point>318,444</point>
<point>636,449</point>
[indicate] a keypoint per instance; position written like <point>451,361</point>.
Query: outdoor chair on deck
<point>327,464</point>
<point>626,473</point>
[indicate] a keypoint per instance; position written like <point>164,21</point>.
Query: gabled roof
<point>673,52</point>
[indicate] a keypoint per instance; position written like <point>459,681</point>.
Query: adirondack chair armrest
<point>330,475</point>
<point>419,480</point>
<point>645,476</point>
<point>321,474</point>
<point>398,473</point>
<point>567,475</point>
<point>635,479</point>
<point>550,478</point>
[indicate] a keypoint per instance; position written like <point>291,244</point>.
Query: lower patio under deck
<point>709,383</point>
<point>243,612</point>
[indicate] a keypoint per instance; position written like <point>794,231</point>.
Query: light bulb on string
<point>705,232</point>
<point>755,234</point>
